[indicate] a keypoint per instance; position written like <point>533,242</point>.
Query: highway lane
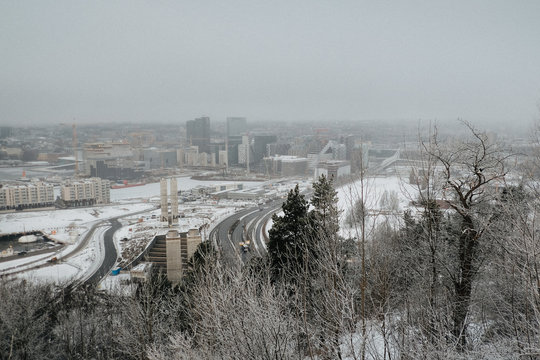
<point>230,232</point>
<point>257,221</point>
<point>110,256</point>
<point>240,234</point>
<point>270,209</point>
<point>221,235</point>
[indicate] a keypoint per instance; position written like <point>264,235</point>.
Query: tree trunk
<point>463,281</point>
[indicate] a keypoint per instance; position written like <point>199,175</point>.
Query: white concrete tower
<point>174,201</point>
<point>173,246</point>
<point>164,208</point>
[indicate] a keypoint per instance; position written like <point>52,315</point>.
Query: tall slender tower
<point>174,201</point>
<point>164,208</point>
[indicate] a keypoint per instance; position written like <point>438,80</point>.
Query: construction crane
<point>75,150</point>
<point>74,146</point>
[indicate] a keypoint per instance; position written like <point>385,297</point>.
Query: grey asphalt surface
<point>110,253</point>
<point>220,235</point>
<point>234,226</point>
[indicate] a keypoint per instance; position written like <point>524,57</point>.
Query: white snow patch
<point>184,183</point>
<point>12,264</point>
<point>63,221</point>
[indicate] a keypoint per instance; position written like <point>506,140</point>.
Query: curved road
<point>241,226</point>
<point>110,250</point>
<point>110,253</point>
<point>221,235</point>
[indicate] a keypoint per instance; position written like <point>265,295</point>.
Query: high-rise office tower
<point>198,133</point>
<point>236,126</point>
<point>259,146</point>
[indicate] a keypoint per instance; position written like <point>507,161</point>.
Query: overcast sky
<point>102,61</point>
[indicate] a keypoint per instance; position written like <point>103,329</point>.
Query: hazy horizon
<point>168,61</point>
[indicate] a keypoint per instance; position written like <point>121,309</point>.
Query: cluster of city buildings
<point>143,154</point>
<point>231,147</point>
<point>238,148</point>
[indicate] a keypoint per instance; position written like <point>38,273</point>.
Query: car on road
<point>244,246</point>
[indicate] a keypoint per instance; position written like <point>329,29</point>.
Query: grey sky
<point>101,61</point>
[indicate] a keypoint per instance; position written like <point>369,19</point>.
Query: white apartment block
<point>86,191</point>
<point>29,195</point>
<point>244,151</point>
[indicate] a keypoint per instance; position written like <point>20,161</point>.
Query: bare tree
<point>235,316</point>
<point>25,323</point>
<point>467,169</point>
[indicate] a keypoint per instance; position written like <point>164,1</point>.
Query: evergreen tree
<point>287,240</point>
<point>325,213</point>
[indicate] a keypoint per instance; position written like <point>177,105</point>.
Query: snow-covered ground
<point>184,183</point>
<point>13,264</point>
<point>58,224</point>
<point>58,274</point>
<point>385,198</point>
<point>71,226</point>
<point>139,230</point>
<point>378,344</point>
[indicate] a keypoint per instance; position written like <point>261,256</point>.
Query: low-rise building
<point>286,165</point>
<point>333,169</point>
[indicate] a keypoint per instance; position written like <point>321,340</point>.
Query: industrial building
<point>20,196</point>
<point>113,161</point>
<point>333,169</point>
<point>155,158</point>
<point>286,165</point>
<point>85,192</point>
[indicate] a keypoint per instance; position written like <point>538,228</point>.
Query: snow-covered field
<point>58,224</point>
<point>58,274</point>
<point>385,197</point>
<point>184,183</point>
<point>198,214</point>
<point>68,226</point>
<point>10,265</point>
<point>71,225</point>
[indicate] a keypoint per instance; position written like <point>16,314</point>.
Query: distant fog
<point>171,61</point>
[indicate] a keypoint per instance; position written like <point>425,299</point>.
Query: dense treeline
<point>457,277</point>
